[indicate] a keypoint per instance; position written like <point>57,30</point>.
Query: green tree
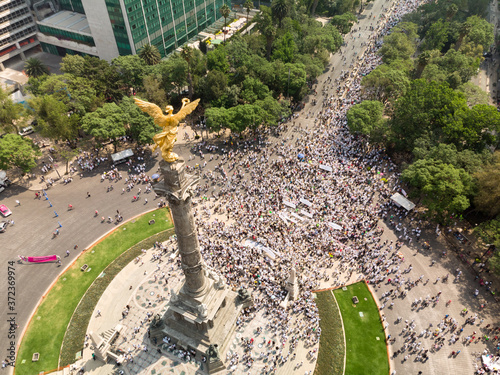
<point>225,11</point>
<point>67,154</point>
<point>367,118</point>
<point>173,72</point>
<point>436,36</point>
<point>248,7</point>
<point>252,90</point>
<point>77,93</point>
<point>473,128</point>
<point>468,160</point>
<point>139,125</point>
<point>217,60</point>
<point>487,199</point>
<point>131,69</point>
<point>153,91</point>
<point>460,68</point>
<point>444,189</point>
<point>237,52</point>
<point>474,94</point>
<point>187,54</point>
<point>264,21</point>
<point>16,151</point>
<point>386,82</point>
<point>106,79</point>
<point>215,86</point>
<point>424,109</point>
<point>280,9</point>
<point>150,54</point>
<point>9,111</point>
<point>285,48</point>
<point>479,31</point>
<point>292,79</point>
<point>245,116</point>
<point>217,118</point>
<point>106,123</point>
<point>434,72</point>
<point>400,44</point>
<point>53,118</point>
<point>275,110</point>
<point>34,67</point>
<point>344,22</point>
<point>74,64</point>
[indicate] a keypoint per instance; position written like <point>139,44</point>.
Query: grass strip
<point>47,328</point>
<point>75,334</point>
<point>365,339</point>
<point>331,345</point>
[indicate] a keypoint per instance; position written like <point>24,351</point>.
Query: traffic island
<point>51,322</point>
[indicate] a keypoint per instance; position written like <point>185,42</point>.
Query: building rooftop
<point>70,21</point>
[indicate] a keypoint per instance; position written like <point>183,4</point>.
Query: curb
<point>385,330</point>
<point>343,330</point>
<point>97,241</point>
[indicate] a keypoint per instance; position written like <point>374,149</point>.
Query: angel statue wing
<point>187,108</point>
<point>153,110</point>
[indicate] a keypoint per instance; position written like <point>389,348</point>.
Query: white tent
<point>403,202</point>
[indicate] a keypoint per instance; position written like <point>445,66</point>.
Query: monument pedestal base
<point>195,323</point>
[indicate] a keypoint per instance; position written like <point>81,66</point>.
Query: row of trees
<point>246,82</point>
<point>421,104</point>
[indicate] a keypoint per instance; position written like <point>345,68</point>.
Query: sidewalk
<point>139,286</point>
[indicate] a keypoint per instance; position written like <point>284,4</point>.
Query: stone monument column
<point>202,314</point>
<point>177,190</point>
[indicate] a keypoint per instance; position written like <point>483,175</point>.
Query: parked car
<point>3,226</point>
<point>4,181</point>
<point>26,130</point>
<point>4,210</point>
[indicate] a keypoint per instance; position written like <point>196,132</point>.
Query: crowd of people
<point>319,213</point>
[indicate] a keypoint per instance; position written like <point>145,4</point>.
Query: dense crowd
<point>318,213</point>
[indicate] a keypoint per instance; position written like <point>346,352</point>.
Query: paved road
<point>35,222</point>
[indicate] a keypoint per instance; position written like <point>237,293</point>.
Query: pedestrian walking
<point>88,194</point>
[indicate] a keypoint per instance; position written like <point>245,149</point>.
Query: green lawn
<point>366,355</point>
<point>47,328</point>
<point>331,346</point>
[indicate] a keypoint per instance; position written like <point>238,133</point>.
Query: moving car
<point>4,210</point>
<point>3,226</point>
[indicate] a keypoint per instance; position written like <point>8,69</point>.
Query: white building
<point>17,30</point>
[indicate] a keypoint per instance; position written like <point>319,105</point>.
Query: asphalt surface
<point>35,219</point>
<point>32,235</point>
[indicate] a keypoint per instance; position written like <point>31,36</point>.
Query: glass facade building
<point>166,24</point>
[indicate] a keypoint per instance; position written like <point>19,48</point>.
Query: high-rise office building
<point>17,30</point>
<point>108,28</point>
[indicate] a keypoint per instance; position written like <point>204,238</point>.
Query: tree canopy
<point>487,199</point>
<point>444,188</point>
<point>9,111</point>
<point>366,118</point>
<point>16,151</point>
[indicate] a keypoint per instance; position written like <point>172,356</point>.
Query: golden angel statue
<point>166,139</point>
